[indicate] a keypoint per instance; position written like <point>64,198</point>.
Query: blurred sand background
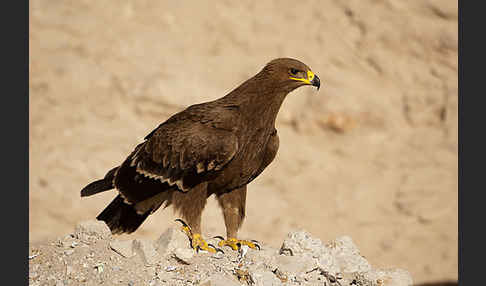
<point>372,155</point>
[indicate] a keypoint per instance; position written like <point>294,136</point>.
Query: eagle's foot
<point>236,244</point>
<point>197,242</point>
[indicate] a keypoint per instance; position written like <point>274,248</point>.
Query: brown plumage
<point>216,147</point>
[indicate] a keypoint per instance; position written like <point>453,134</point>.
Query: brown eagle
<point>217,147</point>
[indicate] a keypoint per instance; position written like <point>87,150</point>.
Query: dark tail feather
<point>99,186</point>
<point>121,217</point>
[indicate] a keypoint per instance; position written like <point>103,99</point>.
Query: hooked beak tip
<point>316,82</point>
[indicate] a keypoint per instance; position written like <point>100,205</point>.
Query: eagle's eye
<point>294,71</point>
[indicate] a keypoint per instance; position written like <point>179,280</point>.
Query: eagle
<point>212,148</point>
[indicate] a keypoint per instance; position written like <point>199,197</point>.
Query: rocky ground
<point>371,155</point>
<point>91,256</point>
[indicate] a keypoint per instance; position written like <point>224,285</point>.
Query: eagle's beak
<point>316,82</point>
<point>312,79</point>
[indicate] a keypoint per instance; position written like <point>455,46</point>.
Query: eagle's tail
<point>99,186</point>
<point>121,217</point>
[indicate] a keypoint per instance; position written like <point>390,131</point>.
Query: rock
<point>92,229</point>
<point>340,255</point>
<point>124,248</point>
<point>265,255</point>
<point>261,277</point>
<point>184,254</point>
<point>389,277</point>
<point>307,261</point>
<point>346,256</point>
<point>68,252</point>
<point>301,242</point>
<point>220,280</point>
<point>294,265</point>
<point>146,250</point>
<point>170,240</point>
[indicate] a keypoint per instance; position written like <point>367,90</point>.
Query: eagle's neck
<point>258,101</point>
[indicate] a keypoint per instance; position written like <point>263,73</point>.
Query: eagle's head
<point>289,74</point>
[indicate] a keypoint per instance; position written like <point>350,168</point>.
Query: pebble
<point>69,252</point>
<point>116,268</point>
<point>170,268</point>
<point>69,270</point>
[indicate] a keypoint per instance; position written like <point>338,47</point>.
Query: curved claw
<point>219,250</point>
<point>182,222</point>
<point>198,248</point>
<point>236,244</point>
<point>257,243</point>
<point>215,248</point>
<point>286,249</point>
<point>186,229</point>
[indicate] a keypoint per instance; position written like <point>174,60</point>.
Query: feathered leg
<point>233,204</point>
<point>191,205</point>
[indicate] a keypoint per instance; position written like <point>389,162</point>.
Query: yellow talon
<point>233,243</point>
<point>198,242</point>
<point>186,230</point>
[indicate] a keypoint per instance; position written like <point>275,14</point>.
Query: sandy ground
<point>372,155</point>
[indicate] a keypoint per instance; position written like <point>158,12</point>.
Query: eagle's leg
<point>233,204</point>
<point>191,205</point>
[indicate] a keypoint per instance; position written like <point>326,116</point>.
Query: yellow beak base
<point>310,77</point>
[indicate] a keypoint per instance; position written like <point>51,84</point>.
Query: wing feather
<point>176,152</point>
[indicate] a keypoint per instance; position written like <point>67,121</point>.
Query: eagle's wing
<point>184,153</point>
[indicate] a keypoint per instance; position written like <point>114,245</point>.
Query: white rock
<point>184,254</point>
<point>265,278</point>
<point>301,242</point>
<point>347,256</point>
<point>69,252</point>
<point>294,265</point>
<point>340,255</point>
